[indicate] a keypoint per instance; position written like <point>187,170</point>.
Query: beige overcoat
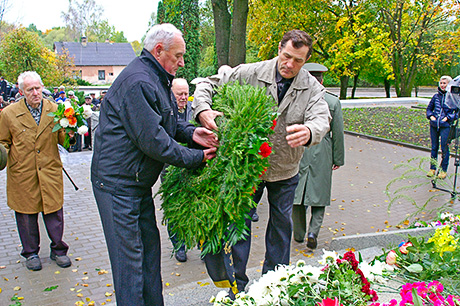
<point>34,168</point>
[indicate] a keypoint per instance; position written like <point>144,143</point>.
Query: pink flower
<point>330,302</point>
<point>403,248</point>
<point>391,258</point>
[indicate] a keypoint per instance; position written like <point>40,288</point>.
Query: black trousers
<point>30,235</point>
<point>278,233</point>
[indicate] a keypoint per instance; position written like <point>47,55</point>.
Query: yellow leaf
<point>5,279</point>
<point>84,285</point>
<point>85,278</point>
<point>75,270</point>
<point>88,299</point>
<point>108,294</point>
<point>79,290</point>
<point>177,274</point>
<point>0,290</point>
<point>79,294</point>
<point>72,289</point>
<point>17,288</point>
<point>204,284</point>
<point>57,272</point>
<point>109,300</point>
<point>79,303</point>
<point>20,298</point>
<point>78,259</point>
<point>167,284</point>
<point>109,285</point>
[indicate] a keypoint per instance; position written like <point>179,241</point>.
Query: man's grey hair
<point>160,33</point>
<point>28,74</point>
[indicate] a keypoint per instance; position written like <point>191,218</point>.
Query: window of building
<point>101,74</point>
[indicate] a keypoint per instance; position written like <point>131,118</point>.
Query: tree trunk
<point>222,23</point>
<point>355,84</point>
<point>237,50</point>
<point>387,85</point>
<point>343,86</point>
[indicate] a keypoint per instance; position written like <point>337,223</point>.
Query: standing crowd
<point>144,118</point>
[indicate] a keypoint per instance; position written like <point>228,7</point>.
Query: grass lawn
<point>395,123</point>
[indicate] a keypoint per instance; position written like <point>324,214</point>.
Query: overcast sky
<point>131,17</point>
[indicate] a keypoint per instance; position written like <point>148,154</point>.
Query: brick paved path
<point>359,206</point>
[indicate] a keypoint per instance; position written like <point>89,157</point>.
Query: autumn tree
<point>342,32</point>
<point>418,35</point>
<point>23,50</point>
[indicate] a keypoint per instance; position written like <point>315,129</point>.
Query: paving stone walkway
<point>359,206</point>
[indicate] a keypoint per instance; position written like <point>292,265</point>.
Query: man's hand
<point>207,117</point>
<point>209,154</point>
<point>71,134</point>
<point>299,135</point>
<point>205,137</point>
<point>335,167</point>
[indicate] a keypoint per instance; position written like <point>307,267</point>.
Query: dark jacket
<point>438,108</point>
<point>138,130</point>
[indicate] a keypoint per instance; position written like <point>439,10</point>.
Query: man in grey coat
<point>315,174</point>
<point>303,121</point>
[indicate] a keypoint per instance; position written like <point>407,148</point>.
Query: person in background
<point>73,97</point>
<point>3,86</point>
<point>34,173</point>
<point>101,97</point>
<point>87,136</point>
<point>62,97</point>
<point>94,101</point>
<point>180,90</point>
<point>315,173</point>
<point>303,121</point>
<point>14,91</point>
<point>55,93</point>
<point>3,103</point>
<point>138,133</point>
<point>441,117</point>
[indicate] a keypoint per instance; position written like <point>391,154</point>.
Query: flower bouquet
<point>72,118</point>
<point>208,206</point>
<point>339,282</point>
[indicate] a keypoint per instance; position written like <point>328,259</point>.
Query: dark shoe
<point>85,147</point>
<point>62,261</point>
<point>311,241</point>
<point>255,217</point>
<point>90,149</point>
<point>181,256</point>
<point>299,240</point>
<point>33,263</point>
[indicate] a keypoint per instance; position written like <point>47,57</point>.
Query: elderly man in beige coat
<point>303,121</point>
<point>34,170</point>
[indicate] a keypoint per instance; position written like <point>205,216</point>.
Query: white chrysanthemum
<point>328,254</point>
<point>374,272</point>
<point>221,296</point>
<point>64,122</point>
<point>87,111</point>
<point>82,130</point>
<point>67,104</point>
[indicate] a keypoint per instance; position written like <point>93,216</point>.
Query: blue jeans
<point>435,133</point>
<point>133,242</point>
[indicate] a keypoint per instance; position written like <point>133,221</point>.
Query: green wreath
<point>208,205</point>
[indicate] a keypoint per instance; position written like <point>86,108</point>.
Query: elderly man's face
<point>32,90</point>
<point>181,92</point>
<point>173,58</point>
<point>291,60</point>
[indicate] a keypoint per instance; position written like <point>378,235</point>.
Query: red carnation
<point>265,150</point>
<point>274,124</point>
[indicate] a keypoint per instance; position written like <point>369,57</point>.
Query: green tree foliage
<point>23,50</point>
<point>86,18</point>
<point>419,35</point>
<point>185,15</point>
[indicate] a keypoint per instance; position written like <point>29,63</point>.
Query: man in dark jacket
<point>137,134</point>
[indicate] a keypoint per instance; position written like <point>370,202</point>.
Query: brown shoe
<point>431,173</point>
<point>442,175</point>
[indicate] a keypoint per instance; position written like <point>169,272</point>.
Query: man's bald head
<point>180,90</point>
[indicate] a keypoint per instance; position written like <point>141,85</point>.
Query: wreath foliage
<point>208,205</point>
